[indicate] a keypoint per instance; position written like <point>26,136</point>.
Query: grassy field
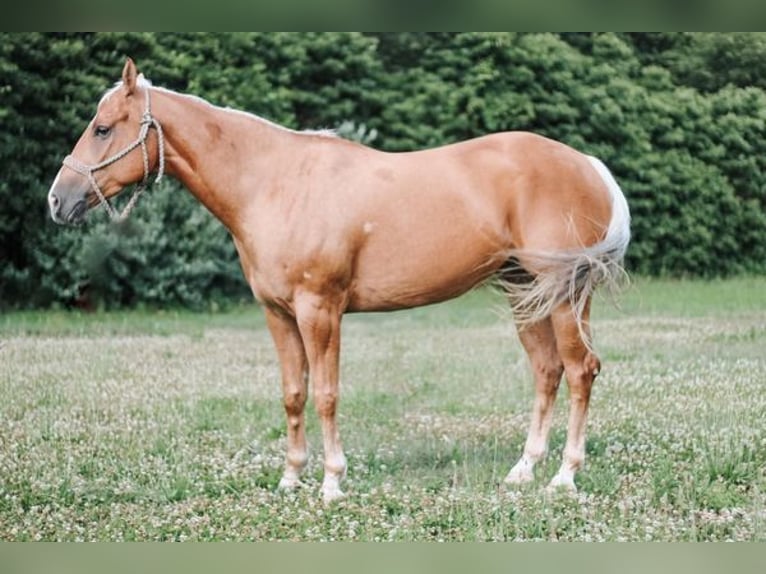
<point>169,426</point>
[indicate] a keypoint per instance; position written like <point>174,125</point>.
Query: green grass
<point>169,426</point>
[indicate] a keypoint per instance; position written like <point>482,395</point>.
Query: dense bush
<point>680,118</point>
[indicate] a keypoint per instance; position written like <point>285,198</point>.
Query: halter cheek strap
<point>147,121</point>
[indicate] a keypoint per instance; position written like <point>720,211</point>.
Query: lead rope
<point>147,121</point>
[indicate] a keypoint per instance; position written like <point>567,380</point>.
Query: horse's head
<point>113,152</point>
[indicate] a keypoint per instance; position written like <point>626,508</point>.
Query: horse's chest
<point>281,262</point>
<point>272,286</point>
<point>278,283</point>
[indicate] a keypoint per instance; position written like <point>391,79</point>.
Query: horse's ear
<point>129,76</point>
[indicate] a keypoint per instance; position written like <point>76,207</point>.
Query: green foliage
<point>680,119</point>
<point>134,425</point>
<point>140,262</point>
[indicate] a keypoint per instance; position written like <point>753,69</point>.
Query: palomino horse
<point>325,226</point>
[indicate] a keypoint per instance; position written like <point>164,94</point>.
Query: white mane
<point>141,82</point>
<point>328,133</point>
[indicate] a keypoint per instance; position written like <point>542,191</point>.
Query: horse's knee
<point>294,401</point>
<point>326,402</point>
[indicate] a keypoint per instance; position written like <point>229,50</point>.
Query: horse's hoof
<point>332,494</point>
<point>561,485</point>
<point>287,483</point>
<point>519,475</point>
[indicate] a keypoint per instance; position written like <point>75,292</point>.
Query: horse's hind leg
<point>292,358</point>
<point>581,367</point>
<point>540,343</point>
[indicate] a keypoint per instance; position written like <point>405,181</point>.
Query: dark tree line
<point>680,119</point>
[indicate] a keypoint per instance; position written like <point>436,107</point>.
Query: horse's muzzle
<point>68,204</point>
<point>72,214</point>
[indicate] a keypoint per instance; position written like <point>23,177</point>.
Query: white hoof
<point>521,473</point>
<point>332,493</point>
<point>289,483</point>
<point>562,484</point>
<point>519,478</point>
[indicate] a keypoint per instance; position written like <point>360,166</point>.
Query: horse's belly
<point>418,273</point>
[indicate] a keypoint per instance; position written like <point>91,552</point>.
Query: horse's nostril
<point>54,200</point>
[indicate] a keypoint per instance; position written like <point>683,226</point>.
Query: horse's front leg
<point>319,324</point>
<point>292,358</point>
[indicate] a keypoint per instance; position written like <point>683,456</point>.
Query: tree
<point>680,119</point>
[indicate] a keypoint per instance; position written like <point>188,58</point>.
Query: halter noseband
<point>147,121</point>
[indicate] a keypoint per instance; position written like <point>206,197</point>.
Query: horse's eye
<point>102,131</point>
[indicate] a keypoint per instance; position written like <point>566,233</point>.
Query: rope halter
<point>147,121</point>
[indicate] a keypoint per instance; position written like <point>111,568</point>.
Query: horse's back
<point>530,184</point>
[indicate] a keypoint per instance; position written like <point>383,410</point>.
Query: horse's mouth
<point>77,214</point>
<point>92,200</point>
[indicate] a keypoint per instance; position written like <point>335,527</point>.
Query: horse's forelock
<point>141,82</point>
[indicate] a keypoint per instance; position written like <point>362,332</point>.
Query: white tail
<point>571,275</point>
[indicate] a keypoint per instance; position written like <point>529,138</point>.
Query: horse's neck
<point>217,154</point>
